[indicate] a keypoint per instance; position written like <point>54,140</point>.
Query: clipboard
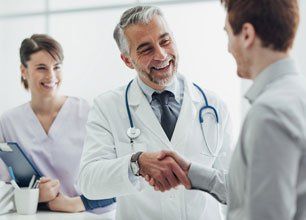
<point>12,155</point>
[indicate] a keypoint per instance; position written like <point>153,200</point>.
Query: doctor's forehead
<point>155,29</point>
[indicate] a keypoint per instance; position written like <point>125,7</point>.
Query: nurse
<point>50,128</point>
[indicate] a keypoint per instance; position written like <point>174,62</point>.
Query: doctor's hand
<point>48,189</point>
<point>184,164</point>
<point>63,203</point>
<point>166,172</point>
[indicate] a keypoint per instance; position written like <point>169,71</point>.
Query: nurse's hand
<point>63,203</point>
<point>48,189</point>
<point>166,172</point>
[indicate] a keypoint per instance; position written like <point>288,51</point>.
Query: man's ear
<point>248,35</point>
<point>23,71</point>
<point>127,60</point>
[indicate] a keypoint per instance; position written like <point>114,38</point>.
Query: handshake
<point>164,170</point>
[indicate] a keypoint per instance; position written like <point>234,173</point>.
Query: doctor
<point>157,110</point>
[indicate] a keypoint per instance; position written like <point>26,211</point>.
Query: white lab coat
<point>107,152</point>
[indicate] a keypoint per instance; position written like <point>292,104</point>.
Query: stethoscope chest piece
<point>133,133</point>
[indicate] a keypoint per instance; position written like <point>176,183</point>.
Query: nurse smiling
<point>42,76</point>
<point>50,127</point>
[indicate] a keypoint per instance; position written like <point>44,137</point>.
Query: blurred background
<point>92,63</point>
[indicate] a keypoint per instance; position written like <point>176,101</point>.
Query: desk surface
<point>47,215</point>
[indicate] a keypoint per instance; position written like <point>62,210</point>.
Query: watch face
<point>135,168</point>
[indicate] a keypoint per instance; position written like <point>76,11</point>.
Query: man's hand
<point>48,189</point>
<point>166,172</point>
<point>184,164</point>
<point>164,155</point>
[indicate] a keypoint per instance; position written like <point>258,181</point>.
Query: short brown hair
<point>275,21</point>
<point>36,43</point>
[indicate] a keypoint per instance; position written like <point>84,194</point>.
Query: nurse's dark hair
<point>36,43</point>
<point>275,21</point>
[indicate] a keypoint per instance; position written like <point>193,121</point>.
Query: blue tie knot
<point>162,98</point>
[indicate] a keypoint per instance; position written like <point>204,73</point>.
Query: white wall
<point>92,64</point>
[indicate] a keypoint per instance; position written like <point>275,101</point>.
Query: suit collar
<point>269,75</point>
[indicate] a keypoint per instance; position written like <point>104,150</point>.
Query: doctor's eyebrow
<point>141,46</point>
<point>164,35</point>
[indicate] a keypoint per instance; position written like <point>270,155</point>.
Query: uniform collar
<point>136,94</point>
<point>173,87</point>
<point>274,71</point>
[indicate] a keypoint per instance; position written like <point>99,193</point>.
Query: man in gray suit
<point>267,176</point>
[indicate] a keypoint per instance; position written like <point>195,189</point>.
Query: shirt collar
<point>268,75</point>
<point>173,87</point>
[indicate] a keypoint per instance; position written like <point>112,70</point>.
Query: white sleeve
<point>102,174</point>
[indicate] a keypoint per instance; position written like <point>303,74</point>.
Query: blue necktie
<point>168,117</point>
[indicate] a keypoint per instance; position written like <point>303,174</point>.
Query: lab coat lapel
<point>188,114</point>
<point>144,113</point>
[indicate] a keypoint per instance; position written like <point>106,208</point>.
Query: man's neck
<point>264,59</point>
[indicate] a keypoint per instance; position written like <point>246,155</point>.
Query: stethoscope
<point>133,132</point>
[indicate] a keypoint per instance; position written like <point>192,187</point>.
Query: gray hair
<point>135,15</point>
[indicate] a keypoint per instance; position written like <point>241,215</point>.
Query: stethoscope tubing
<point>201,120</point>
<point>127,104</point>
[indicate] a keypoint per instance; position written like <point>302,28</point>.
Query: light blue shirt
<point>176,87</point>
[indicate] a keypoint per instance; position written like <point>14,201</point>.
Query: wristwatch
<point>134,163</point>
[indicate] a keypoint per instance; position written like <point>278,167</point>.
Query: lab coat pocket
<point>204,158</point>
<point>208,155</point>
<point>207,160</point>
<point>124,148</point>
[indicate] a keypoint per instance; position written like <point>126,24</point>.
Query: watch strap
<point>136,156</point>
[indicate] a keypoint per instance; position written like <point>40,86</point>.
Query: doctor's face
<point>237,51</point>
<point>153,53</point>
<point>43,74</point>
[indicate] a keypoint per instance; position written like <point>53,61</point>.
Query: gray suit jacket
<point>267,176</point>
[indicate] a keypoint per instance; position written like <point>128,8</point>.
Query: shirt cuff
<point>200,177</point>
<point>132,177</point>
